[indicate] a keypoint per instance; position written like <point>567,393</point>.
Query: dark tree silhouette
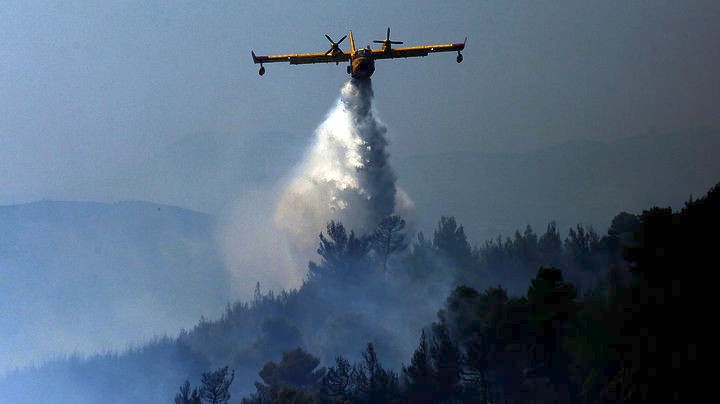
<point>338,381</point>
<point>624,228</point>
<point>295,375</point>
<point>297,368</point>
<point>550,246</point>
<point>419,376</point>
<point>526,248</point>
<point>216,386</point>
<point>476,319</point>
<point>376,383</point>
<point>450,239</point>
<point>580,247</point>
<point>185,396</point>
<point>661,340</point>
<point>422,262</point>
<point>387,239</point>
<point>446,361</point>
<point>278,335</point>
<point>553,307</point>
<point>342,255</point>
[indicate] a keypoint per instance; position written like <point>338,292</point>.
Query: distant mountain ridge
<point>573,182</point>
<point>87,277</point>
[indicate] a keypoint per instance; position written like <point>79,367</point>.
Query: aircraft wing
<point>416,51</point>
<point>303,58</point>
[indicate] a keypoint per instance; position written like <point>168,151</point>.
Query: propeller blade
<point>378,41</point>
<point>397,42</point>
<point>388,34</point>
<point>329,39</point>
<point>328,52</point>
<point>341,39</point>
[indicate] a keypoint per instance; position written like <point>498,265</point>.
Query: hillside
<point>350,299</point>
<point>87,277</point>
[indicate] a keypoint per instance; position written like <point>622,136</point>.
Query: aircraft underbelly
<point>362,68</point>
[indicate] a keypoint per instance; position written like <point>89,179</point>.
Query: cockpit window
<point>363,52</point>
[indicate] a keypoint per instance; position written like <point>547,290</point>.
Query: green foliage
<point>553,310</point>
<point>374,384</point>
<point>185,396</point>
<point>293,395</point>
<point>215,387</point>
<point>670,248</point>
<point>612,343</point>
<point>580,248</point>
<point>446,364</point>
<point>550,247</point>
<point>418,377</point>
<point>296,376</point>
<point>624,226</point>
<point>338,383</point>
<point>297,368</point>
<point>449,239</point>
<point>277,334</point>
<point>537,339</point>
<point>296,379</point>
<point>527,248</point>
<point>551,299</point>
<point>422,263</point>
<point>387,239</point>
<point>343,256</point>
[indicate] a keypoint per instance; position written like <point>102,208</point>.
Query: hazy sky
<point>160,100</point>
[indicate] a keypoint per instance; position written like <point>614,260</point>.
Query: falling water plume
<point>346,175</point>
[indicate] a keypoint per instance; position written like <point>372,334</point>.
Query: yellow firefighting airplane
<point>362,61</point>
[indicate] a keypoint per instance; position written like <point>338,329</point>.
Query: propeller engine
<point>335,47</point>
<point>387,43</point>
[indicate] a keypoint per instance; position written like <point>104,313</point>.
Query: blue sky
<point>111,100</point>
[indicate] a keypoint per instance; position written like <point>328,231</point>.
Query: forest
<point>584,318</point>
<point>596,323</point>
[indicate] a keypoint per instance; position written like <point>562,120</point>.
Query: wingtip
<point>254,57</point>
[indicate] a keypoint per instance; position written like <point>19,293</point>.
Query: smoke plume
<point>346,175</point>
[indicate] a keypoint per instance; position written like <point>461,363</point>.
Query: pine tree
<point>296,372</point>
<point>446,363</point>
<point>450,239</point>
<point>342,254</point>
<point>419,376</point>
<point>185,396</point>
<point>374,383</point>
<point>552,310</point>
<point>550,247</point>
<point>216,386</point>
<point>337,383</point>
<point>387,239</point>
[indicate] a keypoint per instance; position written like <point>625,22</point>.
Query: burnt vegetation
<point>584,318</point>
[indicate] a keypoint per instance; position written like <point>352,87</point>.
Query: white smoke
<point>345,177</point>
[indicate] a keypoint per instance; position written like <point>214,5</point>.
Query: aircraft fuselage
<point>362,64</point>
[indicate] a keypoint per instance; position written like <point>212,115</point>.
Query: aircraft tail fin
<point>352,43</point>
